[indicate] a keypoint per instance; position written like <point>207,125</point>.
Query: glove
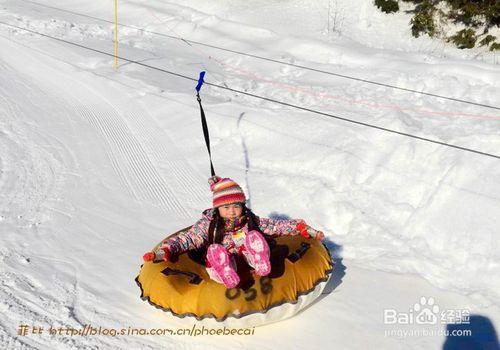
<point>163,253</point>
<point>308,232</point>
<point>148,256</point>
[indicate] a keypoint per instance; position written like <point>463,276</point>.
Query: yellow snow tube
<point>300,269</point>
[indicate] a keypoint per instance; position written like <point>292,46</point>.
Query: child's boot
<point>256,250</point>
<point>220,262</point>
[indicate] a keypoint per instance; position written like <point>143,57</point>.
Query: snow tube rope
<point>204,121</point>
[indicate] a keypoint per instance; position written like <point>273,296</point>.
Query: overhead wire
<point>262,97</point>
<point>345,76</point>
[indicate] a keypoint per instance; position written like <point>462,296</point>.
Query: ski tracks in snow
<point>145,159</point>
<point>147,163</point>
<point>34,169</point>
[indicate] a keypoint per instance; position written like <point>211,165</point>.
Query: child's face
<point>231,211</point>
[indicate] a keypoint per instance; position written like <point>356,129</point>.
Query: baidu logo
<point>425,312</point>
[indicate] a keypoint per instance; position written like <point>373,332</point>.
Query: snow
<point>98,165</point>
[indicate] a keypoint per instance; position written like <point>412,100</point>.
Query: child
<point>229,228</point>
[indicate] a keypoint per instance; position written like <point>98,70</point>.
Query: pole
<point>116,34</point>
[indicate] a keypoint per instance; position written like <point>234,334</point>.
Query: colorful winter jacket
<point>197,236</point>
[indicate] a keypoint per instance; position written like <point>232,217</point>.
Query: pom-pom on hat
<point>225,191</point>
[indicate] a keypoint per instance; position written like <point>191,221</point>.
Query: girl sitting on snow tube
<point>230,229</point>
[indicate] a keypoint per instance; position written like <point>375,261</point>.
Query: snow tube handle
<point>200,81</point>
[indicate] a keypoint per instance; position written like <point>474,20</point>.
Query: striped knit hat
<point>226,191</point>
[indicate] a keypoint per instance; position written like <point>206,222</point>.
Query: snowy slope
<point>97,166</point>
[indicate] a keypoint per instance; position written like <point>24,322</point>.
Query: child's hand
<point>308,232</point>
<point>148,256</point>
<point>163,253</point>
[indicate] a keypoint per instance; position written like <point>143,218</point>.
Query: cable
<point>276,61</point>
<point>262,97</point>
